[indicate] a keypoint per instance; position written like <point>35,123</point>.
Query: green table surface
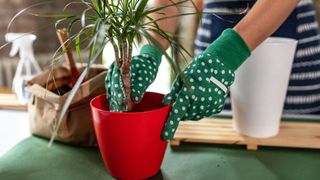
<point>32,160</point>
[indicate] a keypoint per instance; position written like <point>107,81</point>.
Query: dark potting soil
<point>62,90</point>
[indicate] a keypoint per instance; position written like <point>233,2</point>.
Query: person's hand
<point>207,81</point>
<point>143,71</point>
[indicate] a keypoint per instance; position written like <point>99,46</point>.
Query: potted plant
<point>130,142</point>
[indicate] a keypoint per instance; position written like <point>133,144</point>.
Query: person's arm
<point>263,19</point>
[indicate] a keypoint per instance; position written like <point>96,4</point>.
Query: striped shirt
<point>303,95</point>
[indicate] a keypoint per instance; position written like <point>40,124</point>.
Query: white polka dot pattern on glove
<point>143,71</point>
<point>201,94</point>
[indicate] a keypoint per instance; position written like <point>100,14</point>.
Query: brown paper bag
<point>45,106</point>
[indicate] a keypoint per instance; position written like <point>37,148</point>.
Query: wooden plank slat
<point>5,90</point>
<point>219,131</point>
<point>10,101</point>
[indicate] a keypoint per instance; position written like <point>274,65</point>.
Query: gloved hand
<point>143,71</point>
<point>207,81</point>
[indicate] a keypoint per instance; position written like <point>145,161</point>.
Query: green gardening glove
<point>143,71</point>
<point>207,81</point>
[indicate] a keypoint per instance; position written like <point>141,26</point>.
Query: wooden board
<point>10,101</point>
<point>220,131</point>
<point>5,91</point>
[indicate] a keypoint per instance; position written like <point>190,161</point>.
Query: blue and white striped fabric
<point>303,95</point>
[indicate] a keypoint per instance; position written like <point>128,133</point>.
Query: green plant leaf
<point>30,7</point>
<point>140,10</point>
<point>158,9</point>
<point>83,17</point>
<point>78,50</point>
<point>155,43</point>
<point>55,16</point>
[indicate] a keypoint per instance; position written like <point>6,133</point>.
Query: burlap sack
<point>45,106</point>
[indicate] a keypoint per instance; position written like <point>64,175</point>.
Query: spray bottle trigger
<point>14,49</point>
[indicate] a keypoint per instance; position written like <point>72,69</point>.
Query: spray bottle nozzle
<point>22,42</point>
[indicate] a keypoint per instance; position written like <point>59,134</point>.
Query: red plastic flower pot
<point>130,142</point>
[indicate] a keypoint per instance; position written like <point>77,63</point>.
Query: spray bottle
<point>27,67</point>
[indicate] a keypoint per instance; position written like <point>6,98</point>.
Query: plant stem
<point>116,53</point>
<point>125,74</point>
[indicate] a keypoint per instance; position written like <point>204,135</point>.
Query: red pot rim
<point>142,112</point>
